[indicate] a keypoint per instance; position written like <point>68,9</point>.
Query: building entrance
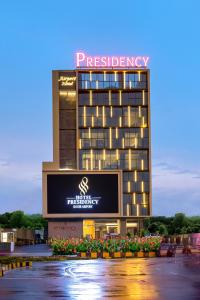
<point>103,228</point>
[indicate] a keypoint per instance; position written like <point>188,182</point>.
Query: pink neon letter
<point>145,59</point>
<point>115,62</point>
<point>122,61</point>
<point>136,61</point>
<point>96,61</point>
<point>80,56</point>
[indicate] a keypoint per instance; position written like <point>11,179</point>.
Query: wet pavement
<point>152,279</point>
<point>32,250</point>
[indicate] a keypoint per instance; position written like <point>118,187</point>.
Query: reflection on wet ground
<point>155,278</point>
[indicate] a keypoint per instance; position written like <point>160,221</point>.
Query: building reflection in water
<point>112,279</point>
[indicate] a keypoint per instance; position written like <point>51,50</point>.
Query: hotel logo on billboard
<point>83,200</point>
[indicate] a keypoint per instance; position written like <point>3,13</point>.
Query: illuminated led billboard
<point>82,193</point>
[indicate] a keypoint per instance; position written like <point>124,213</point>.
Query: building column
<point>123,227</point>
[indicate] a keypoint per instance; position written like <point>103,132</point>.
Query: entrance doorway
<point>106,227</point>
<point>89,228</point>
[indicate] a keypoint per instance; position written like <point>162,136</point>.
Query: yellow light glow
<point>116,133</point>
<point>129,186</point>
<point>120,97</point>
<point>65,93</point>
<point>110,137</point>
<point>80,144</point>
<point>136,142</point>
<point>111,112</point>
<point>117,154</point>
<point>97,111</point>
<point>86,163</point>
<point>128,209</point>
<point>142,186</point>
<point>124,79</point>
<point>115,75</point>
<point>129,116</point>
<point>134,198</point>
<point>143,98</point>
<point>142,164</point>
<point>143,198</point>
<point>89,133</point>
<point>139,76</point>
<point>104,75</point>
<point>143,123</point>
<point>135,176</point>
<point>90,75</point>
<point>120,121</point>
<point>109,97</point>
<point>138,209</point>
<point>139,111</point>
<point>91,159</point>
<point>97,84</point>
<point>90,97</point>
<point>99,164</point>
<point>123,144</point>
<point>92,121</point>
<point>84,116</point>
<point>104,154</point>
<point>142,132</point>
<point>103,116</point>
<point>129,159</point>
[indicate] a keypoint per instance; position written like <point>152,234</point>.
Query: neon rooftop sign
<point>85,61</point>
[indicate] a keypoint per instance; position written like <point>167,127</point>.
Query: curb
<point>16,265</point>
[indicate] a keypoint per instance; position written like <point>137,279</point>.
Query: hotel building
<point>101,125</point>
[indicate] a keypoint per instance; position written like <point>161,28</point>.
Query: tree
<point>154,227</point>
<point>18,219</point>
<point>179,222</point>
<point>162,229</point>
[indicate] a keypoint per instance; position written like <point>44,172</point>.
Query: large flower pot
<point>140,254</point>
<point>83,254</point>
<point>106,254</point>
<point>128,254</point>
<point>117,254</point>
<point>93,254</point>
<point>152,254</point>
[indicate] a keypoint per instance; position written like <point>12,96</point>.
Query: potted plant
<point>106,249</point>
<point>125,247</point>
<point>94,249</point>
<point>134,247</point>
<point>146,248</point>
<point>82,248</point>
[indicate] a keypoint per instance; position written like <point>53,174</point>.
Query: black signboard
<point>82,193</point>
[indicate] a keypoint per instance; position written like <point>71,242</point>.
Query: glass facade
<point>113,127</point>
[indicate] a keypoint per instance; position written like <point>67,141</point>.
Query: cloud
<point>175,189</point>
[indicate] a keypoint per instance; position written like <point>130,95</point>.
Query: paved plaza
<point>154,278</point>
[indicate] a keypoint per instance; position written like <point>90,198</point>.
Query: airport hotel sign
<point>86,61</point>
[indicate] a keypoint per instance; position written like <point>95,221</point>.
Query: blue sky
<point>38,36</point>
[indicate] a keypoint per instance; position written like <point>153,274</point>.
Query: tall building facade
<point>101,123</point>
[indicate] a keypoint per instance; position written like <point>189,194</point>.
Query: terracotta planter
<point>128,254</point>
<point>140,254</point>
<point>93,254</point>
<point>152,254</point>
<point>106,255</point>
<point>117,254</point>
<point>83,254</point>
<point>13,266</point>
